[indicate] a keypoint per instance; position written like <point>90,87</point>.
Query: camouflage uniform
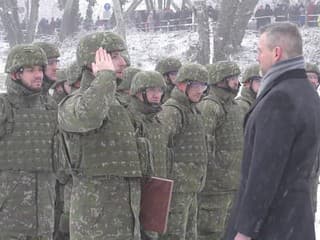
<point>27,149</point>
<point>102,150</point>
<point>316,172</point>
<point>150,132</point>
<point>62,78</point>
<point>124,86</point>
<point>247,96</point>
<point>73,75</point>
<point>223,124</point>
<point>51,52</point>
<point>165,66</point>
<point>187,160</point>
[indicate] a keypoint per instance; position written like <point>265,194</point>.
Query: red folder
<point>155,204</point>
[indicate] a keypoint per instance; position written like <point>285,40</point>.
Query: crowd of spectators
<point>48,28</point>
<point>296,13</point>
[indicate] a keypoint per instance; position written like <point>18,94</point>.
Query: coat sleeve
<point>273,133</point>
<point>3,118</point>
<point>171,119</point>
<point>85,111</point>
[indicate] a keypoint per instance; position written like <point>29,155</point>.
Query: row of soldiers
<point>75,170</point>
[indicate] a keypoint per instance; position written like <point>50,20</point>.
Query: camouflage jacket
<point>245,98</point>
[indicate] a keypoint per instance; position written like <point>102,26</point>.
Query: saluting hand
<point>103,61</point>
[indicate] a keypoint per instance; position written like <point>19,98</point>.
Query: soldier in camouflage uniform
<point>101,146</point>
<point>123,88</point>
<point>27,130</point>
<point>60,88</point>
<point>50,73</point>
<point>74,76</point>
<point>250,82</point>
<point>313,73</point>
<point>223,123</point>
<point>187,161</point>
<point>146,93</point>
<point>169,68</point>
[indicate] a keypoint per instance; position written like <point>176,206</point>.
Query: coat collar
<point>293,74</point>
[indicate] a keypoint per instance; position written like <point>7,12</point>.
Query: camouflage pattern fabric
<point>245,99</point>
<point>182,222</point>
<point>167,65</point>
<point>310,67</point>
<point>221,70</point>
<point>223,122</point>
<point>105,206</point>
<point>27,196</point>
<point>187,163</point>
<point>50,49</point>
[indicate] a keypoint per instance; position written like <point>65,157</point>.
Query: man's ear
<point>14,76</point>
<point>278,52</point>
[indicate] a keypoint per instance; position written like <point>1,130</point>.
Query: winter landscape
<point>145,48</point>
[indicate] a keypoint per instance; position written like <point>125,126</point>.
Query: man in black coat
<point>282,139</point>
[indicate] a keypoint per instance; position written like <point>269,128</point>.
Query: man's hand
<point>240,236</point>
<point>103,61</point>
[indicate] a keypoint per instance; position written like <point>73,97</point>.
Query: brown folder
<point>155,204</point>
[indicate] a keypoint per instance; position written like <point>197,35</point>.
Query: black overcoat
<point>282,137</point>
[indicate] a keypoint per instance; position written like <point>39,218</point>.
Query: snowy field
<point>146,48</point>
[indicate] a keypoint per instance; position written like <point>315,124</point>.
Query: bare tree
<point>243,14</point>
<point>10,19</point>
<point>33,19</point>
<point>120,23</point>
<point>203,31</point>
<point>70,20</point>
<point>225,22</point>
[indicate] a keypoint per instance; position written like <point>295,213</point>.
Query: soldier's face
<point>154,95</point>
<point>172,76</point>
<point>313,79</point>
<point>195,91</point>
<point>51,69</point>
<point>31,77</point>
<point>255,85</point>
<point>233,82</point>
<point>119,63</point>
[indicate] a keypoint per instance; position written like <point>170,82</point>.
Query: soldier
<point>169,68</point>
<point>187,161</point>
<point>60,88</point>
<point>73,76</point>
<point>313,73</point>
<point>123,89</point>
<point>27,129</point>
<point>250,85</point>
<point>101,146</point>
<point>50,72</point>
<point>223,123</point>
<point>146,92</point>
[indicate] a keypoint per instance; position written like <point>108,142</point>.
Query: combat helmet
<point>146,79</point>
<point>167,65</point>
<point>50,49</point>
<point>253,71</point>
<point>192,72</point>
<point>61,77</point>
<point>73,73</point>
<point>128,75</point>
<point>25,55</point>
<point>221,70</point>
<point>310,67</point>
<point>89,44</point>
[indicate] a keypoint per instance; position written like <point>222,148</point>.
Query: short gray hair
<point>286,35</point>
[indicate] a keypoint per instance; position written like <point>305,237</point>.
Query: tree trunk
<point>243,15</point>
<point>70,19</point>
<point>10,19</point>
<point>33,19</point>
<point>223,34</point>
<point>201,18</point>
<point>121,25</point>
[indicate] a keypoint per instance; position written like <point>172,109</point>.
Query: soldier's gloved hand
<point>103,61</point>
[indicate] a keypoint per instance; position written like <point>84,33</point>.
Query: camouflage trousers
<point>105,208</point>
<point>182,222</point>
<point>214,212</point>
